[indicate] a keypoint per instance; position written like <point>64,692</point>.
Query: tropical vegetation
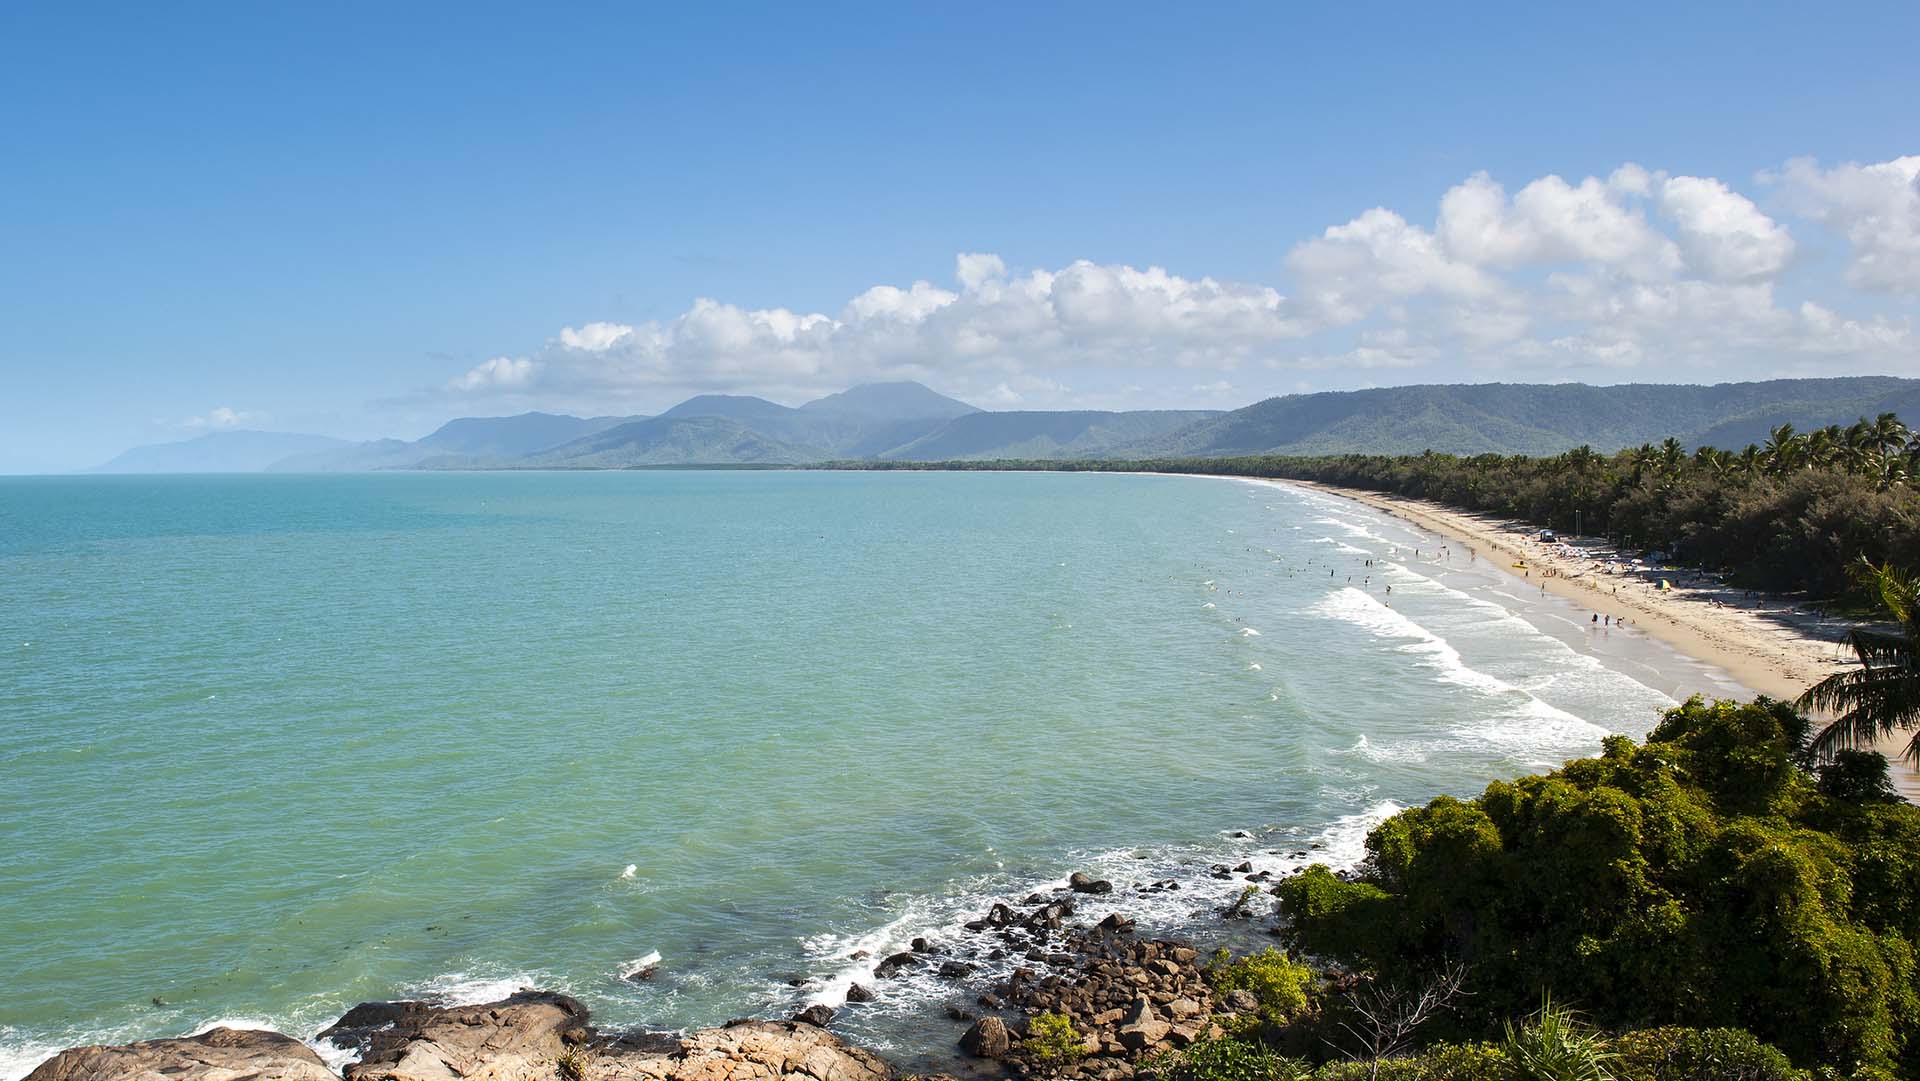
<point>1882,695</point>
<point>1706,880</point>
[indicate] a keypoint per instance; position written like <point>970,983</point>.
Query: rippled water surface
<point>273,745</point>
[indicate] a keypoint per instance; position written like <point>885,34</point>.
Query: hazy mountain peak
<point>240,451</point>
<point>512,436</point>
<point>731,406</point>
<point>904,400</point>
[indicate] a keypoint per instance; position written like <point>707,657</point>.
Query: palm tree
<point>1783,450</point>
<point>1671,455</point>
<point>1821,445</point>
<point>1643,458</point>
<point>1891,434</point>
<point>1859,450</point>
<point>1883,694</point>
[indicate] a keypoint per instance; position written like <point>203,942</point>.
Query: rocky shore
<point>1074,956</point>
<point>530,1036</point>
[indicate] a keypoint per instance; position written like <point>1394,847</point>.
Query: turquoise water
<point>273,745</point>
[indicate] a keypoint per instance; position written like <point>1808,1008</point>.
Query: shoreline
<point>1763,642</point>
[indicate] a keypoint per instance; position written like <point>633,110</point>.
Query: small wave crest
<point>1541,725</point>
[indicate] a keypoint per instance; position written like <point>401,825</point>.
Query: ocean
<point>271,746</point>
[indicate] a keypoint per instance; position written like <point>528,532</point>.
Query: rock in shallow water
<point>817,1014</point>
<point>1081,882</point>
<point>221,1054</point>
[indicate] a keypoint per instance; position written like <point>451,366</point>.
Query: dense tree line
<point>1797,513</point>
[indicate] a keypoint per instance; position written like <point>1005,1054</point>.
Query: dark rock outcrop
<point>816,1014</point>
<point>1081,882</point>
<point>888,968</point>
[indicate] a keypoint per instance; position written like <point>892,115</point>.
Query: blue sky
<point>365,219</point>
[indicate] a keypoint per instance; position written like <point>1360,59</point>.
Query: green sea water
<point>270,746</point>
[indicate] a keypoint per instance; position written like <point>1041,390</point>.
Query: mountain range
<point>909,422</point>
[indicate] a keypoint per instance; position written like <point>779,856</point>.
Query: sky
<point>365,219</point>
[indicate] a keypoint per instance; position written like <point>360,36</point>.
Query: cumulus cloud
<point>1554,279</point>
<point>221,418</point>
<point>1723,235</point>
<point>500,373</point>
<point>1552,221</point>
<point>1877,208</point>
<point>594,337</point>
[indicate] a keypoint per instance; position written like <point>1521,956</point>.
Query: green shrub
<point>1692,1054</point>
<point>1278,981</point>
<point>1858,777</point>
<point>1227,1058</point>
<point>1555,1045</point>
<point>1051,1038</point>
<point>1701,879</point>
<point>1339,917</point>
<point>1444,1062</point>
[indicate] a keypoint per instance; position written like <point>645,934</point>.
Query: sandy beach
<point>1776,646</point>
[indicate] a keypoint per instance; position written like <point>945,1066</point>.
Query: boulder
<point>1182,1008</point>
<point>816,1014</point>
<point>516,1039</point>
<point>1242,1001</point>
<point>1081,882</point>
<point>987,1038</point>
<point>745,1051</point>
<point>859,992</point>
<point>1141,1028</point>
<point>219,1054</point>
<point>904,959</point>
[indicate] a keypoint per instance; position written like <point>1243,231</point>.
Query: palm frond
<point>1880,648</point>
<point>1894,588</point>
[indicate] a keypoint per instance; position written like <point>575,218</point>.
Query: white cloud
<point>222,418</point>
<point>1351,269</point>
<point>500,373</point>
<point>1877,208</point>
<point>1550,221</point>
<point>972,269</point>
<point>1681,276</point>
<point>594,337</point>
<point>1722,233</point>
